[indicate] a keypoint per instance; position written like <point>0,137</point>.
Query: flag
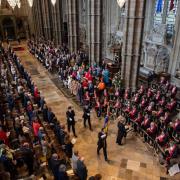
<point>171,5</point>
<point>159,6</point>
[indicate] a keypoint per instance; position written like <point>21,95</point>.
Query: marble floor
<point>132,161</point>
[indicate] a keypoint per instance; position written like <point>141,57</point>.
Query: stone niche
<point>156,53</point>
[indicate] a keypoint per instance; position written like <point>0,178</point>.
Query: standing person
<point>70,114</point>
<point>102,143</point>
<point>74,159</point>
<point>121,133</point>
<point>81,169</point>
<point>86,116</point>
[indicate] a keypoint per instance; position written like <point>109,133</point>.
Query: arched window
<point>165,13</point>
<point>165,10</point>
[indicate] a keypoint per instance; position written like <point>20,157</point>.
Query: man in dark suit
<point>70,114</point>
<point>102,143</point>
<point>121,132</point>
<point>81,169</point>
<point>86,116</point>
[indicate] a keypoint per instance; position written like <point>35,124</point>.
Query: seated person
<point>165,119</point>
<point>126,94</point>
<point>162,139</point>
<point>138,120</point>
<point>171,105</point>
<point>171,152</point>
<point>141,90</point>
<point>143,103</point>
<point>152,130</point>
<point>158,96</point>
<point>136,98</point>
<point>158,113</point>
<point>146,122</point>
<point>149,93</point>
<point>173,91</point>
<point>162,102</point>
<point>177,126</point>
<point>133,112</point>
<point>150,108</point>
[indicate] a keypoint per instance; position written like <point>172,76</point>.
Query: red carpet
<point>18,49</point>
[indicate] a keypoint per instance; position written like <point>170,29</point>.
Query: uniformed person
<point>102,143</point>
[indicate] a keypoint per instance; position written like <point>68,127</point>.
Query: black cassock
<point>121,133</point>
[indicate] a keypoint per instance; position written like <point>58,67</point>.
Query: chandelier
<point>53,2</point>
<point>14,3</point>
<point>30,3</point>
<point>121,3</point>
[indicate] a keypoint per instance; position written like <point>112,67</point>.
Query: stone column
<point>57,22</point>
<point>37,18</point>
<point>149,17</point>
<point>46,19</point>
<point>132,43</point>
<point>175,55</point>
<point>95,9</point>
<point>73,25</point>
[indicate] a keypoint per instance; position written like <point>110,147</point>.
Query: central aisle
<point>131,161</point>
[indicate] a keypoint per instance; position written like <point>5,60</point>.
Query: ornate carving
<point>157,34</point>
<point>116,38</point>
<point>162,60</point>
<point>156,57</point>
<point>82,34</point>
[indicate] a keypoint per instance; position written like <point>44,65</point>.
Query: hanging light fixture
<point>121,3</point>
<point>13,3</point>
<point>30,3</point>
<point>53,2</point>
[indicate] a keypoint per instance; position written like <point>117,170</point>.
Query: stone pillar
<point>175,55</point>
<point>57,22</point>
<point>37,18</point>
<point>46,19</point>
<point>149,17</point>
<point>95,9</point>
<point>73,25</point>
<point>132,43</point>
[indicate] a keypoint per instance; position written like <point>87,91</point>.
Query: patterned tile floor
<point>133,161</point>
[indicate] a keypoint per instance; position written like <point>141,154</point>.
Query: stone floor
<point>133,161</point>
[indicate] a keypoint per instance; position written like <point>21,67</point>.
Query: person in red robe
<point>165,120</point>
<point>172,105</point>
<point>98,108</point>
<point>162,102</point>
<point>158,96</point>
<point>3,136</point>
<point>136,98</point>
<point>174,91</point>
<point>171,152</point>
<point>177,127</point>
<point>118,106</point>
<point>146,122</point>
<point>36,125</point>
<point>143,103</point>
<point>138,121</point>
<point>152,130</point>
<point>133,112</point>
<point>126,94</point>
<point>162,139</point>
<point>141,90</point>
<point>149,93</point>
